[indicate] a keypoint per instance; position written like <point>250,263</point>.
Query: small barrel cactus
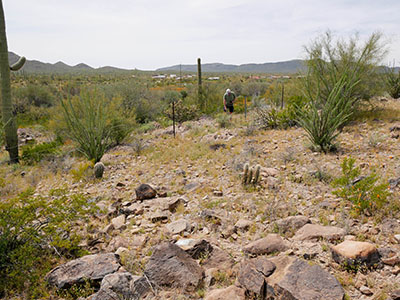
<point>251,175</point>
<point>99,170</point>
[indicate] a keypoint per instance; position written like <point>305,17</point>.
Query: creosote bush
<point>364,192</point>
<point>33,231</point>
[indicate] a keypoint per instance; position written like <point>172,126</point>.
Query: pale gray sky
<point>148,34</point>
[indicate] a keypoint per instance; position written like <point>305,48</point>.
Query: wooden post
<point>283,92</point>
<point>173,116</point>
<point>245,107</point>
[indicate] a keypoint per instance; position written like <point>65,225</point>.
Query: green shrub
<point>34,230</point>
<point>224,120</point>
<point>183,112</point>
<point>34,153</point>
<point>393,82</point>
<point>364,192</point>
<point>87,121</point>
<point>321,118</point>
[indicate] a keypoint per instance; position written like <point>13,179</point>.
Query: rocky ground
<point>178,223</point>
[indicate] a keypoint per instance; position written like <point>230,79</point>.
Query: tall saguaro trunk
<point>10,126</point>
<point>200,87</point>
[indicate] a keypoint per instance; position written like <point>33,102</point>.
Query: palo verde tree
<point>10,126</point>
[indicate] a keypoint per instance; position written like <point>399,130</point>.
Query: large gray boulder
<point>292,223</point>
<point>170,266</point>
<point>295,279</point>
<point>91,267</point>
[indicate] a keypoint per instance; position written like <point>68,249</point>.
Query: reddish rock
<point>316,232</point>
<point>272,243</point>
<point>232,293</point>
<point>355,253</point>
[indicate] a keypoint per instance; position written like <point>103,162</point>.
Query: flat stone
<point>355,253</point>
<point>366,291</point>
<point>178,226</point>
<point>219,259</point>
<point>316,232</point>
<point>295,279</point>
<point>397,237</point>
<point>199,249</point>
<point>231,292</point>
<point>272,243</point>
<point>119,222</point>
<point>90,267</point>
<point>291,223</point>
<point>170,266</point>
<point>270,171</point>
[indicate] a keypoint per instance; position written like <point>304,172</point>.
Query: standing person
<point>229,99</point>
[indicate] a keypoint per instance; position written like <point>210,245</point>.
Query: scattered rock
<point>145,191</point>
<point>173,203</point>
<point>366,291</point>
<point>211,215</point>
<point>252,275</point>
<point>355,253</point>
<point>291,223</point>
<point>397,237</point>
<point>395,295</point>
<point>92,267</point>
<point>104,294</point>
<point>200,249</point>
<point>218,193</point>
<point>315,232</point>
<point>389,256</point>
<point>178,226</point>
<point>272,243</point>
<point>170,266</point>
<point>242,225</point>
<point>116,243</point>
<point>118,282</point>
<point>190,187</point>
<point>119,222</point>
<point>159,216</point>
<point>270,172</point>
<point>133,209</point>
<point>295,279</point>
<point>218,259</point>
<point>231,292</point>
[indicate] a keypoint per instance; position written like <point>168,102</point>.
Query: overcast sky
<point>148,34</point>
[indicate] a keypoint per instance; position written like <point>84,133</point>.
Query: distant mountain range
<point>35,66</point>
<point>288,67</point>
<point>283,67</point>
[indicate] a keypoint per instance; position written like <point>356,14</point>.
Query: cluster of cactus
<point>251,175</point>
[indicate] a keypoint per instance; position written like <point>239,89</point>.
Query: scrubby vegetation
<point>258,159</point>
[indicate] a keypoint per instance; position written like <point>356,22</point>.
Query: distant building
<point>159,76</point>
<point>213,78</point>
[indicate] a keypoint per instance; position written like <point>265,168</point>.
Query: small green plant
<point>364,192</point>
<point>34,153</point>
<point>224,120</point>
<point>251,175</point>
<point>34,231</point>
<point>393,82</point>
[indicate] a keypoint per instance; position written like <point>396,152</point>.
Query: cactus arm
<point>257,174</point>
<point>19,64</point>
<point>245,173</point>
<point>250,177</point>
<point>10,127</point>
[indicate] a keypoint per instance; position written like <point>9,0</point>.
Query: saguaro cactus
<point>10,126</point>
